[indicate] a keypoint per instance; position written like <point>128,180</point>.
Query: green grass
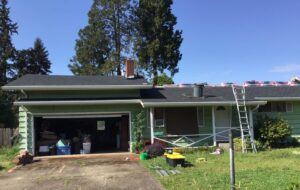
<point>273,169</point>
<point>6,157</point>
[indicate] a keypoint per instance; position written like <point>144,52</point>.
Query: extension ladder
<point>246,130</point>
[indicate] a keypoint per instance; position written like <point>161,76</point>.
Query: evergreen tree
<point>7,50</point>
<point>40,61</point>
<point>104,42</point>
<point>157,43</point>
<point>32,60</point>
<point>92,47</point>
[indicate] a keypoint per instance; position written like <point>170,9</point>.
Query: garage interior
<point>105,133</point>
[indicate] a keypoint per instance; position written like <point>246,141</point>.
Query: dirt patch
<point>80,173</point>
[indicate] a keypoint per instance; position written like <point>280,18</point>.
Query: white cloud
<point>286,68</point>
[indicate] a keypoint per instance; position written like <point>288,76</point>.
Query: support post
<point>152,124</point>
<point>214,125</point>
<point>251,122</point>
<point>231,157</point>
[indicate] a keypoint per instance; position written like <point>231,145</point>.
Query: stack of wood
<point>23,158</point>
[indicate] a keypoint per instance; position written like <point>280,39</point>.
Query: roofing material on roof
<point>55,82</point>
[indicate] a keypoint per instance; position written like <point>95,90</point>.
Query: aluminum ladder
<point>246,130</point>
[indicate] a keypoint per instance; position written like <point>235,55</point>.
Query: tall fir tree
<point>32,60</point>
<point>92,47</point>
<point>105,41</point>
<point>7,53</point>
<point>7,50</point>
<point>41,64</point>
<point>157,45</point>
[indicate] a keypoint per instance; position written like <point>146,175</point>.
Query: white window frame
<point>198,119</point>
<point>291,106</point>
<point>163,120</point>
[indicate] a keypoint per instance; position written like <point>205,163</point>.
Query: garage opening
<point>59,135</point>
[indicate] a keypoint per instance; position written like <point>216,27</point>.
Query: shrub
<point>155,150</point>
<point>238,144</point>
<point>274,132</point>
<point>138,125</point>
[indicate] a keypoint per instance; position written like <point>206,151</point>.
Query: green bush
<point>238,144</point>
<point>274,132</point>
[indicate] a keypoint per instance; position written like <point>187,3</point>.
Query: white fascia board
<point>76,102</point>
<point>278,98</point>
<point>77,87</point>
<point>193,104</point>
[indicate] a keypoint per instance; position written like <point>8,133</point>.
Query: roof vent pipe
<point>198,90</point>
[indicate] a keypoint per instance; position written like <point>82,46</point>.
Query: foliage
<point>33,60</point>
<point>7,50</point>
<point>157,43</point>
<point>103,42</point>
<point>274,132</point>
<point>6,157</point>
<point>163,79</point>
<point>271,169</point>
<point>238,144</point>
<point>155,150</point>
<point>138,126</point>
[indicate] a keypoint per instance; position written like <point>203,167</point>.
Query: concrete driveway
<point>105,172</point>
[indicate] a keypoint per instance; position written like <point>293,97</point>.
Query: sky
<point>223,41</point>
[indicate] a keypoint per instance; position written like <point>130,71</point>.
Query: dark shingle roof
<point>217,94</point>
<point>56,80</point>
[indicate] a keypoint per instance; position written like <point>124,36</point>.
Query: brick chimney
<point>129,68</point>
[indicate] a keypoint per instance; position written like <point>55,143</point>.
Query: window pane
<point>200,116</point>
<point>265,108</point>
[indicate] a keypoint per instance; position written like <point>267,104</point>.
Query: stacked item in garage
<point>47,143</point>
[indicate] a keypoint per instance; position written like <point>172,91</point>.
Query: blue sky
<point>223,40</point>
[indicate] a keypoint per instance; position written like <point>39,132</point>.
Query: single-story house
<point>105,108</point>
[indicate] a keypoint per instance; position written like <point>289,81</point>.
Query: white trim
<point>80,116</point>
<point>152,124</point>
<point>77,87</point>
<point>76,102</point>
<point>277,98</point>
<point>214,125</point>
<point>193,104</point>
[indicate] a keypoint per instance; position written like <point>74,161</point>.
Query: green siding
<point>293,118</point>
<point>83,94</point>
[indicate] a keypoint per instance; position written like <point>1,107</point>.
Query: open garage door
<point>105,133</point>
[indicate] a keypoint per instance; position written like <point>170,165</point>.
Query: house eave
<point>76,102</point>
<point>193,104</point>
<point>77,87</point>
<point>278,98</point>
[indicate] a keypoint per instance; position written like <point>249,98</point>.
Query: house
<point>105,107</point>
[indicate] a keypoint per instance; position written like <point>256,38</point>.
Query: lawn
<point>6,157</point>
<point>272,169</point>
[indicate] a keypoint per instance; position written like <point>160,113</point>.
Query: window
<point>159,117</point>
<point>200,116</point>
<point>276,107</point>
<point>289,107</point>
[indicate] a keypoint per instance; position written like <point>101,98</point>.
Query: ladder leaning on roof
<point>246,130</point>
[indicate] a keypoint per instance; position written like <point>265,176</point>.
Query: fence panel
<point>5,136</point>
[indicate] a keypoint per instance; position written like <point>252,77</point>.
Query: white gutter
<point>77,87</point>
<point>278,98</point>
<point>75,102</point>
<point>192,104</point>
